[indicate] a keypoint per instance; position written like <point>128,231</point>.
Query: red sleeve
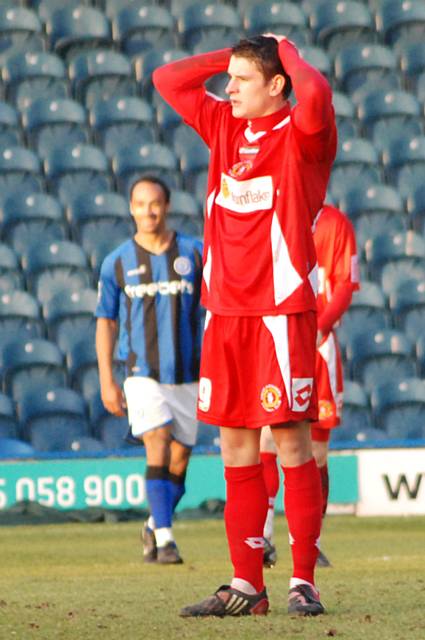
<point>181,84</point>
<point>344,276</point>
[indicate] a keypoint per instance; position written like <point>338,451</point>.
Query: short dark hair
<point>263,51</point>
<point>153,180</point>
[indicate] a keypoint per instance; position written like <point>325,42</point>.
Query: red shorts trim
<point>258,370</point>
<point>329,381</point>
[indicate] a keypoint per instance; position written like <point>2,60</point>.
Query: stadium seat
<point>28,216</point>
<point>100,75</point>
<point>46,8</point>
<point>121,121</point>
<point>32,362</point>
<point>336,24</point>
<point>20,172</point>
<point>198,20</point>
<point>142,27</point>
<point>19,313</point>
<point>415,205</point>
<point>86,444</point>
<point>345,116</point>
<point>14,448</point>
<point>373,209</point>
<point>285,18</point>
<point>395,272</point>
<point>156,159</point>
<point>389,114</point>
<point>54,414</point>
<point>412,63</point>
<point>356,414</point>
<point>69,317</point>
<point>404,162</point>
<point>318,57</point>
<point>100,250</point>
<point>34,75</point>
<point>99,212</point>
<point>407,247</point>
<point>420,352</point>
<point>52,123</point>
<point>401,22</point>
<point>83,370</point>
<point>146,62</point>
<point>20,31</point>
<point>399,408</point>
<point>9,427</point>
<point>73,30</point>
<point>52,266</point>
<point>359,66</point>
<point>193,160</point>
<point>75,169</point>
<point>10,273</point>
<point>113,7</point>
<point>187,225</point>
<point>208,435</point>
<point>183,137</point>
<point>183,203</point>
<point>166,118</point>
<point>383,356</point>
<point>111,430</point>
<point>367,312</point>
<point>407,302</point>
<point>10,135</point>
<point>356,164</point>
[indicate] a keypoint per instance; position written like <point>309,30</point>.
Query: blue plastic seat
<point>318,57</point>
<point>73,30</point>
<point>401,22</point>
<point>386,114</point>
<point>360,66</point>
<point>193,160</point>
<point>99,213</point>
<point>46,8</point>
<point>19,313</point>
<point>373,209</point>
<point>75,169</point>
<point>345,116</point>
<point>14,448</point>
<point>146,62</point>
<point>399,407</point>
<point>134,160</point>
<point>183,203</point>
<point>420,352</point>
<point>415,205</point>
<point>69,317</point>
<point>34,75</point>
<point>9,426</point>
<point>26,217</point>
<point>10,272</point>
<point>111,430</point>
<point>20,172</point>
<point>285,18</point>
<point>100,75</point>
<point>20,31</point>
<point>10,135</point>
<point>407,247</point>
<point>356,164</point>
<point>380,357</point>
<point>408,305</point>
<point>86,444</point>
<point>52,123</point>
<point>356,413</point>
<point>336,24</point>
<point>396,272</point>
<point>83,369</point>
<point>404,162</point>
<point>29,363</point>
<point>142,27</point>
<point>215,19</point>
<point>166,118</point>
<point>113,7</point>
<point>100,250</point>
<point>412,63</point>
<point>53,266</point>
<point>122,121</point>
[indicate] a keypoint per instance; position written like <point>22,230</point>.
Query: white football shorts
<point>151,404</point>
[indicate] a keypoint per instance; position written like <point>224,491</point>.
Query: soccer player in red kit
<point>336,250</point>
<point>269,167</point>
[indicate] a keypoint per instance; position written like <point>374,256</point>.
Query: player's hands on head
<point>113,399</point>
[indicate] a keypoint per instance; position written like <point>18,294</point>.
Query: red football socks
<point>303,508</point>
<point>244,516</point>
<point>270,473</point>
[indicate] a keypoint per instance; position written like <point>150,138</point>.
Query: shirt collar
<point>266,123</point>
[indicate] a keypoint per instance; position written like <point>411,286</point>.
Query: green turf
<point>87,582</point>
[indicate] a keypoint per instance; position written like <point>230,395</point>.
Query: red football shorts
<point>329,382</point>
<point>258,370</point>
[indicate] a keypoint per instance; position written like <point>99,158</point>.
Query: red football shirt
<point>267,180</point>
<point>336,250</point>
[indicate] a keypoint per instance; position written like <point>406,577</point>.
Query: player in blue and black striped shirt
<point>149,293</point>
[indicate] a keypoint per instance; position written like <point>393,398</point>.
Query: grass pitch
<point>88,581</point>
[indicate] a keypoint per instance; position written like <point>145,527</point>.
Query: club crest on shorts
<point>182,266</point>
<point>326,409</point>
<point>271,397</point>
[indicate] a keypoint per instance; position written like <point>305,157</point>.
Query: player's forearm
<point>178,81</point>
<point>335,309</point>
<point>312,90</point>
<point>106,335</point>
